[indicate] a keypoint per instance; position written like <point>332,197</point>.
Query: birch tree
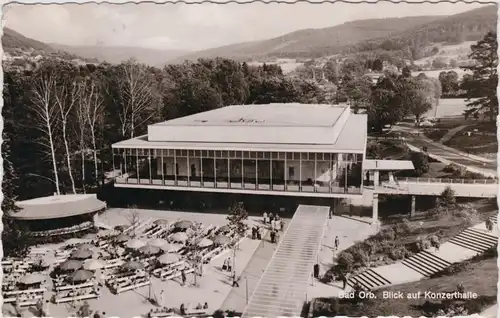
<point>81,129</point>
<point>93,113</point>
<point>46,113</point>
<point>66,97</point>
<point>138,97</point>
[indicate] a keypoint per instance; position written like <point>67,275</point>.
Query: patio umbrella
<point>132,266</point>
<point>44,261</point>
<point>179,237</point>
<point>71,265</point>
<point>184,225</point>
<point>122,238</point>
<point>149,250</point>
<point>158,242</point>
<point>205,242</point>
<point>170,248</point>
<point>93,264</point>
<point>224,228</point>
<point>121,228</point>
<point>81,254</point>
<point>81,275</point>
<point>31,279</point>
<point>135,244</point>
<point>85,246</point>
<point>168,259</point>
<point>161,222</point>
<point>221,240</point>
<point>107,233</point>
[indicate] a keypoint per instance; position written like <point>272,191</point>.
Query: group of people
<point>256,235</point>
<point>275,222</point>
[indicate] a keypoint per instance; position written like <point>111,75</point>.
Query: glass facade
<point>248,170</point>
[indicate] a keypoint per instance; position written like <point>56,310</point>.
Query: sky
<point>195,26</point>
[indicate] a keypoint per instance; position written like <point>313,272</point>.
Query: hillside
<point>114,55</point>
<point>17,46</point>
<point>467,26</point>
<point>13,41</point>
<point>313,42</point>
<point>364,35</point>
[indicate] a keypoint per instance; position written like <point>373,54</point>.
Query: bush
<point>434,239</point>
<point>402,228</point>
<point>345,262</point>
<point>360,256</point>
<point>447,197</point>
<point>399,252</point>
<point>386,234</point>
<point>451,168</point>
<point>421,162</point>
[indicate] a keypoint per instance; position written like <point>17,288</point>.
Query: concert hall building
<point>282,149</point>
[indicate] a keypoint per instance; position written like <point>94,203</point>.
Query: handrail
<point>449,181</point>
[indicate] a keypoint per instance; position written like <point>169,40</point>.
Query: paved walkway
<point>449,155</point>
<point>420,186</point>
<point>451,133</point>
<point>490,312</point>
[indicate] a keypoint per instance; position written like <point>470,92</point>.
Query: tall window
<point>291,172</point>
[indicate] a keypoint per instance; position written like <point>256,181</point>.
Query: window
<point>291,172</point>
<point>191,153</point>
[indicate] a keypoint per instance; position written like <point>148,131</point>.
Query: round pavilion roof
<point>58,206</point>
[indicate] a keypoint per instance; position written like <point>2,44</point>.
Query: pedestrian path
<point>451,133</point>
<point>468,243</point>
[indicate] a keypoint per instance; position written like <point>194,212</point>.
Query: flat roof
<point>58,206</point>
<point>268,115</point>
<point>385,165</point>
<point>346,132</point>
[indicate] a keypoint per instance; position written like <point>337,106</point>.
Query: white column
<point>242,172</point>
<point>149,164</point>
<point>228,171</point>
<point>376,178</point>
<point>375,209</point>
<point>270,170</point>
<point>201,167</point>
<point>413,205</point>
<point>188,168</point>
<point>315,168</point>
<point>137,165</point>
<point>162,170</point>
<point>300,172</point>
<point>175,166</point>
<point>256,173</point>
<point>286,172</point>
<point>215,171</point>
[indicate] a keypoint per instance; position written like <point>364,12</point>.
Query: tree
<point>484,79</point>
<point>138,100</point>
<point>358,91</point>
<point>420,162</point>
<point>237,217</point>
<point>447,197</point>
<point>378,65</point>
<point>46,112</point>
<point>449,82</point>
<point>66,96</point>
<point>134,219</point>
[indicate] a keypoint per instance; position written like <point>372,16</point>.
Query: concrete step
<point>369,279</point>
<point>475,240</point>
<point>426,263</point>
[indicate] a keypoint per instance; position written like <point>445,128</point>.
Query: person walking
<point>282,225</point>
<point>273,225</point>
<point>264,217</point>
<point>229,264</point>
<point>273,237</point>
<point>337,242</point>
<point>276,236</point>
<point>271,217</point>
<point>162,298</point>
<point>316,270</point>
<point>183,277</point>
<point>235,280</point>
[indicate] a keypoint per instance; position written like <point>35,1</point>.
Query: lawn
<point>481,279</point>
<point>400,237</point>
<point>475,143</point>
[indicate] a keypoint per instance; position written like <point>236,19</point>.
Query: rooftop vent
<point>246,121</point>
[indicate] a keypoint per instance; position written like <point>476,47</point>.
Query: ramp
<point>282,288</point>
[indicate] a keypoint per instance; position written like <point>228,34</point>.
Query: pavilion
<point>297,150</point>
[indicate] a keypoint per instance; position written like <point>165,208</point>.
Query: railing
<point>243,186</point>
<point>450,181</point>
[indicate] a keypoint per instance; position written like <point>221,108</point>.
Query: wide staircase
<point>369,280</point>
<point>281,290</point>
<point>475,240</point>
<point>426,263</point>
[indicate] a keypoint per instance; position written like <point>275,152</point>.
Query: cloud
<point>195,26</point>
